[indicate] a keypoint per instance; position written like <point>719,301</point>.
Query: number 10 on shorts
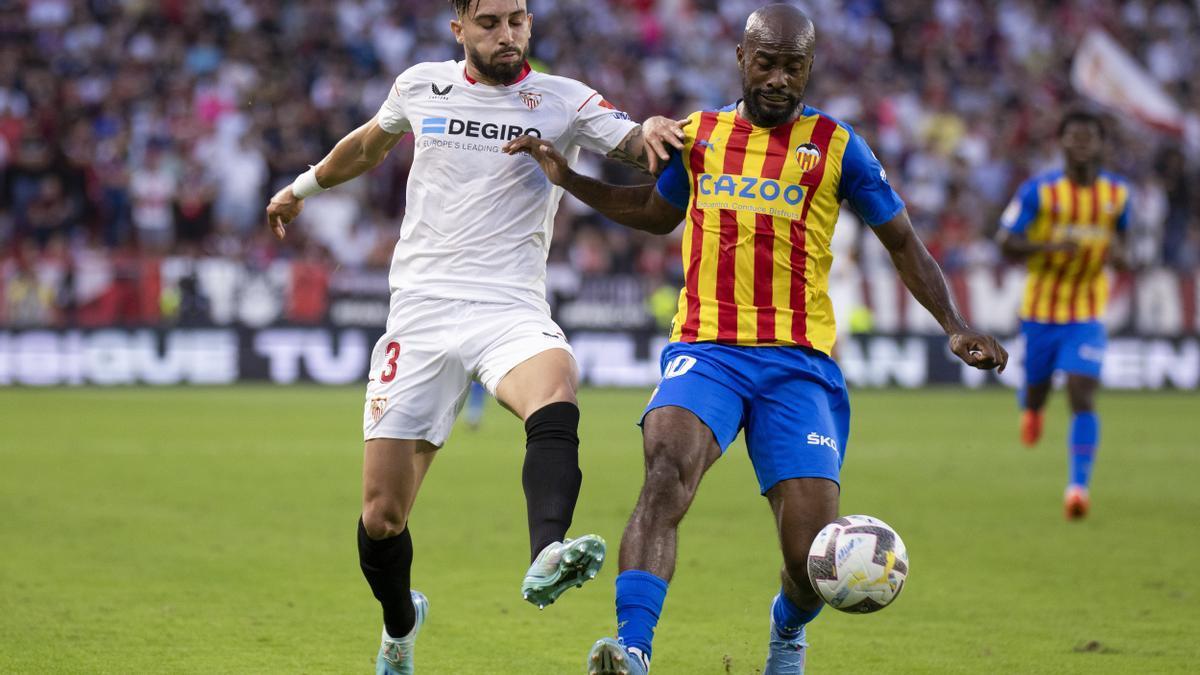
<point>678,366</point>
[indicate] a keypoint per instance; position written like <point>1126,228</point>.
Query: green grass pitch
<point>212,531</point>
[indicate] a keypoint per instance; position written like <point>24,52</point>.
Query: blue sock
<point>790,619</point>
<point>1085,436</point>
<point>475,402</point>
<point>640,597</point>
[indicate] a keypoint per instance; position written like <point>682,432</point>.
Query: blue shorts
<point>1074,348</point>
<point>791,401</point>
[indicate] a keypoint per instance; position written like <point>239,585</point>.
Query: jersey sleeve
<point>865,185</point>
<point>1022,209</point>
<point>673,182</point>
<point>1123,217</point>
<point>393,115</point>
<point>599,126</point>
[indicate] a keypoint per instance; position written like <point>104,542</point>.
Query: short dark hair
<point>462,6</point>
<point>1084,116</point>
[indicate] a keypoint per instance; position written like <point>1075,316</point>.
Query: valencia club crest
<point>808,156</point>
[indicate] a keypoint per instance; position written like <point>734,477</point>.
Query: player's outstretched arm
<point>1120,253</point>
<point>647,146</point>
<point>640,207</point>
<point>923,277</point>
<point>1017,246</point>
<point>357,153</point>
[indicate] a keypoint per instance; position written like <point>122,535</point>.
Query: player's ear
<point>739,57</point>
<point>457,28</point>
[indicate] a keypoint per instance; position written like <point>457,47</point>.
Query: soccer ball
<point>858,564</point>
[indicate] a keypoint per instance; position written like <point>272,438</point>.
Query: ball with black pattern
<point>858,564</point>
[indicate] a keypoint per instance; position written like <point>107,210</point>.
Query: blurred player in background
<point>1067,224</point>
<point>760,183</point>
<point>468,293</point>
<point>476,400</point>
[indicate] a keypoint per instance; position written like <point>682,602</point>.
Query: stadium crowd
<point>132,130</point>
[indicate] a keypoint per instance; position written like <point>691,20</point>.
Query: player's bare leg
<point>1032,415</point>
<point>802,506</point>
<point>393,471</point>
<point>679,449</point>
<point>541,391</point>
<point>1083,439</point>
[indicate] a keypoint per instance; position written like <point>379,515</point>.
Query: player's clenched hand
<point>553,164</point>
<point>283,209</point>
<point>1121,258</point>
<point>978,350</point>
<point>657,134</point>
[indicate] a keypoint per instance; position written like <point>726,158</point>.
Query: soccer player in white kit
<point>468,293</point>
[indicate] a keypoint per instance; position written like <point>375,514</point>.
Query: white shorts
<point>422,367</point>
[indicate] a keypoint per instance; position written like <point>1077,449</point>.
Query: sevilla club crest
<point>531,99</point>
<point>378,404</point>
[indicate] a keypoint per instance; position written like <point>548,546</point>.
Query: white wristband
<point>306,184</point>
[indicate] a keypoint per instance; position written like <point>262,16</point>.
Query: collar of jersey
<point>732,107</point>
<point>525,71</point>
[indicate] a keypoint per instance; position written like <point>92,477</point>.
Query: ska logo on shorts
<point>817,439</point>
<point>678,366</point>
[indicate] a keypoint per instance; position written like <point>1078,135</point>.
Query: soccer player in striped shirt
<point>759,184</point>
<point>1067,224</point>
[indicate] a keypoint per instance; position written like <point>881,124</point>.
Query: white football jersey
<point>478,222</point>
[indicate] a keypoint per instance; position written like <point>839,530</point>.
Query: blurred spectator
<point>193,306</point>
<point>1180,224</point>
<point>153,188</point>
<point>240,173</point>
<point>48,214</point>
<point>130,130</point>
<point>28,298</point>
<point>193,209</point>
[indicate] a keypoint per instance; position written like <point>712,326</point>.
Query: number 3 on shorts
<point>389,366</point>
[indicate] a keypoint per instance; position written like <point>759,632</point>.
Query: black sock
<point>387,563</point>
<point>551,473</point>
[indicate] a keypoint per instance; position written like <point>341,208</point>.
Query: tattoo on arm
<point>633,151</point>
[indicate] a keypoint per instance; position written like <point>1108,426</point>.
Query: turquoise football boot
<point>562,565</point>
<point>785,655</point>
<point>609,657</point>
<point>396,654</point>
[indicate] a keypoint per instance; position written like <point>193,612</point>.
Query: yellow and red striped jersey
<point>761,204</point>
<point>1067,287</point>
